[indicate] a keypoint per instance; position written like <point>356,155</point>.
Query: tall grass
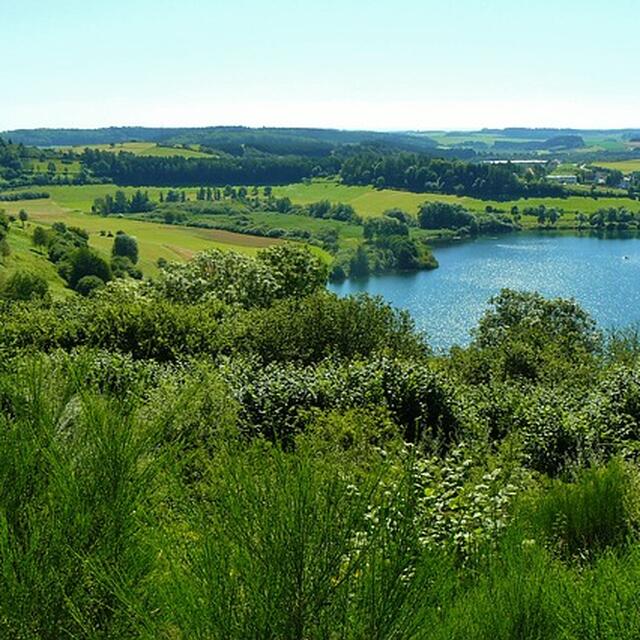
<point>154,517</point>
<point>285,545</point>
<point>73,479</point>
<point>592,514</point>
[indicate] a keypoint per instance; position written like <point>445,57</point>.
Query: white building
<point>563,179</point>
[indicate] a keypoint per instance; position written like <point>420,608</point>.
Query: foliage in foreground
<point>179,463</point>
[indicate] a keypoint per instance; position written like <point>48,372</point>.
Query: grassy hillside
<point>25,257</point>
<point>155,240</point>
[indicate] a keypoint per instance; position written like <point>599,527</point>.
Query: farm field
<point>142,149</point>
<point>626,166</point>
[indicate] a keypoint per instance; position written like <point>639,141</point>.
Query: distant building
<point>596,177</point>
<point>519,163</point>
<point>563,179</point>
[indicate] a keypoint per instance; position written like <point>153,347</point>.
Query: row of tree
<point>139,202</point>
<point>129,169</point>
<point>422,173</point>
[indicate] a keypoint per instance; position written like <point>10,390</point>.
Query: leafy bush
<point>23,285</point>
<point>88,284</point>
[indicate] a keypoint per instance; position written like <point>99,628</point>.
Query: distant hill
<point>278,141</point>
<point>544,134</point>
<point>558,143</point>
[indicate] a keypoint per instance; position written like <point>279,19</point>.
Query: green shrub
<point>23,285</point>
<point>88,284</point>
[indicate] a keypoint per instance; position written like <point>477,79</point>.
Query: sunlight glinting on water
<point>602,274</point>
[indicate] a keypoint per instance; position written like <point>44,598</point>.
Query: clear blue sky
<point>349,63</point>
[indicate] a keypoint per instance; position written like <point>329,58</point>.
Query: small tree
<point>126,247</point>
<point>86,262</point>
<point>40,237</point>
<point>24,216</point>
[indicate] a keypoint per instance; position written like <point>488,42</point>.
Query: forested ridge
<point>230,451</point>
<point>264,162</point>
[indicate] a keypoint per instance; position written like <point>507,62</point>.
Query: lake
<point>602,274</point>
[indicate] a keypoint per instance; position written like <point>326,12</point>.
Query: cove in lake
<point>601,272</point>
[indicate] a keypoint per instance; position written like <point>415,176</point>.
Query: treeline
<point>139,202</point>
<point>23,195</point>
<point>308,142</point>
<point>128,169</point>
<point>443,215</point>
<point>424,173</point>
<point>612,218</point>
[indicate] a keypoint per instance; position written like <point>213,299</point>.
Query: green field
<point>626,166</point>
<point>369,202</point>
<point>155,240</point>
<point>142,149</point>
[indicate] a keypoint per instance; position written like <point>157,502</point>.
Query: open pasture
<point>626,166</point>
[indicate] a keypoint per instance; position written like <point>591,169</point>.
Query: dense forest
<point>129,169</point>
<point>229,451</point>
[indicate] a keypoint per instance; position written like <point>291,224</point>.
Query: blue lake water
<point>602,274</point>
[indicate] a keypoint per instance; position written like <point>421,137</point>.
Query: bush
<point>126,247</point>
<point>86,262</point>
<point>88,284</point>
<point>23,285</point>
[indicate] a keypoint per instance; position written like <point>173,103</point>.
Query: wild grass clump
<point>596,512</point>
<point>74,481</point>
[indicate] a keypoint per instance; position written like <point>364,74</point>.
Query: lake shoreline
<point>446,302</point>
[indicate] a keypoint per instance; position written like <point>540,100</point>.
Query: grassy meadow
<point>626,166</point>
<point>369,202</point>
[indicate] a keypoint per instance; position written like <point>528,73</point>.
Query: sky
<point>351,64</point>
